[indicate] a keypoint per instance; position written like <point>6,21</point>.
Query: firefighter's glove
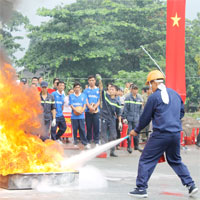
<point>125,121</point>
<point>120,126</point>
<point>53,124</point>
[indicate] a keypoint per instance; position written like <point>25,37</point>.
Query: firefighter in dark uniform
<point>131,113</point>
<point>166,109</point>
<point>49,108</point>
<point>110,110</point>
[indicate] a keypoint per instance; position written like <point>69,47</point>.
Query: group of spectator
<point>97,113</point>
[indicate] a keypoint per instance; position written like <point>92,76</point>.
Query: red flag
<point>175,47</point>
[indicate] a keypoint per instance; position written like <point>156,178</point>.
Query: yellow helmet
<point>154,75</point>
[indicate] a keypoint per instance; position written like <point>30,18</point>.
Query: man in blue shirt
<point>77,101</point>
<point>92,110</point>
<point>60,120</point>
<point>166,109</point>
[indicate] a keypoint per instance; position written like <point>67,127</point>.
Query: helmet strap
<point>150,86</point>
<point>158,81</point>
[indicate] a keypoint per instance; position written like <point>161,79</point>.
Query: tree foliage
<point>193,62</point>
<point>98,36</point>
<point>136,77</point>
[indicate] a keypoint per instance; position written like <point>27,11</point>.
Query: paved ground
<point>113,178</point>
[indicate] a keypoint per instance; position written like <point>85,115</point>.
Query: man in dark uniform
<point>110,110</point>
<point>131,113</point>
<point>166,109</point>
<point>48,104</point>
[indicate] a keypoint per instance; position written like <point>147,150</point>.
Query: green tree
<point>193,63</point>
<point>98,36</point>
<point>138,78</point>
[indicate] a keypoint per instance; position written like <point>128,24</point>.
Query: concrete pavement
<point>112,178</point>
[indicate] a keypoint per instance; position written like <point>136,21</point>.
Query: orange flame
<point>21,150</point>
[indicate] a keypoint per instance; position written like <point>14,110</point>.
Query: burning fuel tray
<point>32,180</point>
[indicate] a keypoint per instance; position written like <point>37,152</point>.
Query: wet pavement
<point>112,178</point>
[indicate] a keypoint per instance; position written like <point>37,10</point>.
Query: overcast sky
<point>29,8</point>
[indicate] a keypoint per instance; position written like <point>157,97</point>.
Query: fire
<point>21,150</point>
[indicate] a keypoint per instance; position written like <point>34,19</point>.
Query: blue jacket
<point>165,117</point>
<point>132,108</point>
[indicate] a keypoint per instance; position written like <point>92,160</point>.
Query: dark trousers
<point>79,124</point>
<point>108,131</point>
<point>117,129</point>
<point>92,124</point>
<point>157,144</point>
<point>61,124</point>
<point>45,135</point>
<point>131,126</point>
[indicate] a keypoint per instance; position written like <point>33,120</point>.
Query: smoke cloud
<point>6,9</point>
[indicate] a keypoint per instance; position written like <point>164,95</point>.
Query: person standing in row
<point>49,109</point>
<point>131,113</point>
<point>77,101</point>
<point>60,120</point>
<point>92,110</point>
<point>34,81</point>
<point>111,109</point>
<point>67,108</point>
<point>55,83</point>
<point>166,110</point>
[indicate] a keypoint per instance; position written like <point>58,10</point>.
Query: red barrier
<point>124,134</point>
<point>188,140</point>
<point>182,139</point>
<point>197,132</point>
<point>69,131</point>
<point>193,136</point>
<point>132,142</point>
<point>102,155</point>
<point>162,159</point>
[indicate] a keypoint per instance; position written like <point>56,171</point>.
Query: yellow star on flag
<point>176,19</point>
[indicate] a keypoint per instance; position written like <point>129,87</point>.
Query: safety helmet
<point>154,75</point>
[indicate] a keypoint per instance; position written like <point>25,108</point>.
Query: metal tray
<point>27,181</point>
